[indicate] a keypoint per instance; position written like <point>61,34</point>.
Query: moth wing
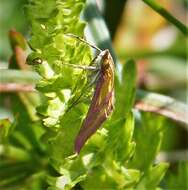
<point>101,104</point>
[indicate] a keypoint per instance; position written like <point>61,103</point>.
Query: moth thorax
<point>101,57</point>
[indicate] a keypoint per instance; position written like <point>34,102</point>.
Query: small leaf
<point>152,178</point>
<point>125,90</point>
<point>148,140</point>
<point>179,178</point>
<point>5,127</point>
<point>129,85</point>
<point>122,130</point>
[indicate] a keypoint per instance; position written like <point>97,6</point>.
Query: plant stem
<point>173,157</point>
<point>18,76</point>
<point>163,105</point>
<point>164,13</point>
<point>14,87</point>
<point>147,53</point>
<point>145,101</point>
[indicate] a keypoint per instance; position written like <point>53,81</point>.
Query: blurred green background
<point>138,32</point>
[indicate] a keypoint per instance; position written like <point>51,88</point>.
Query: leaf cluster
<point>121,155</point>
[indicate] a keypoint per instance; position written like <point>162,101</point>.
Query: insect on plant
<point>102,102</point>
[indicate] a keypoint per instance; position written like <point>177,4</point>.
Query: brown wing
<point>101,104</point>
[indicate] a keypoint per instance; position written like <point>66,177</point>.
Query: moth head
<point>105,54</point>
<point>107,61</point>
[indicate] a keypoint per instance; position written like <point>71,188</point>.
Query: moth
<point>102,103</point>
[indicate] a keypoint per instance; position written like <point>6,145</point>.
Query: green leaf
<point>26,133</point>
<point>179,178</point>
<point>14,171</point>
<point>61,146</point>
<point>152,178</point>
<point>148,140</point>
<point>72,170</point>
<point>109,157</point>
<point>129,85</point>
<point>121,130</point>
<point>16,76</point>
<point>125,92</point>
<point>101,181</point>
<point>110,174</point>
<point>5,127</point>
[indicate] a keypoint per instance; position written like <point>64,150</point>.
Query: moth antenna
<point>84,41</point>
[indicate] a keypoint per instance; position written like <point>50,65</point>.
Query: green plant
<point>120,155</point>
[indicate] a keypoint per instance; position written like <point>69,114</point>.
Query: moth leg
<point>93,61</point>
<point>95,73</point>
<point>93,77</point>
<point>82,97</point>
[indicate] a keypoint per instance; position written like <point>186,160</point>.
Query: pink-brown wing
<point>101,104</point>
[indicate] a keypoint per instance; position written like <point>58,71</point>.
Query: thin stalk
<point>168,16</point>
<point>145,101</point>
<point>147,53</point>
<point>173,157</point>
<point>14,87</point>
<point>18,76</point>
<point>163,105</point>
